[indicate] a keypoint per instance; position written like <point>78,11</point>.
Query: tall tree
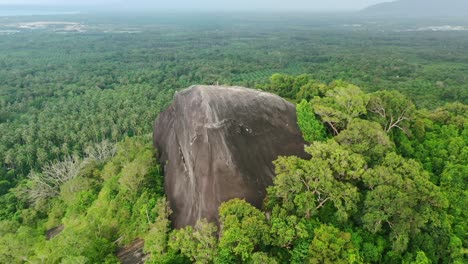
<point>366,138</point>
<point>199,244</point>
<point>303,187</point>
<point>341,105</point>
<point>243,229</point>
<point>401,200</point>
<point>391,109</point>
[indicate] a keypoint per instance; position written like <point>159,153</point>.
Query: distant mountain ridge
<point>420,8</point>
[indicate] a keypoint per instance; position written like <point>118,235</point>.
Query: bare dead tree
<point>392,120</point>
<point>101,151</point>
<point>46,184</point>
<point>40,189</point>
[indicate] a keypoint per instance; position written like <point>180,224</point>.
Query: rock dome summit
<point>216,143</point>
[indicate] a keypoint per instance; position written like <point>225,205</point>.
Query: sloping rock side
<point>218,143</point>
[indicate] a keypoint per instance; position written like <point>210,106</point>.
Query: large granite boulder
<point>217,143</point>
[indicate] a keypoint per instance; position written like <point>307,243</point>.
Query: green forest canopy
<point>366,195</point>
<point>385,121</point>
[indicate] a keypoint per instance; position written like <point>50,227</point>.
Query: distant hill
<point>420,8</point>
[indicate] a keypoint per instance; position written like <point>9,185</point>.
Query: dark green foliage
<point>366,138</point>
<point>243,231</point>
<point>454,181</point>
<point>292,87</point>
<point>402,215</point>
<point>312,129</point>
<point>402,199</point>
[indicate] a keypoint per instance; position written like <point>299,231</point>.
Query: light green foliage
<point>128,201</point>
<point>135,173</point>
<point>157,238</point>
<point>98,216</point>
<point>312,129</point>
<point>286,228</point>
<point>458,250</point>
<point>81,240</point>
<point>330,246</point>
<point>79,260</point>
<point>7,227</point>
<point>391,109</point>
<point>341,105</point>
<point>421,258</point>
<point>262,258</point>
<point>56,213</point>
<point>78,194</point>
<point>199,244</point>
<point>17,246</point>
<point>326,109</point>
<point>110,170</point>
<point>299,232</point>
<point>72,180</point>
<point>402,199</point>
<point>450,114</point>
<point>305,186</point>
<point>350,99</point>
<point>243,228</point>
<point>353,201</point>
<point>366,138</point>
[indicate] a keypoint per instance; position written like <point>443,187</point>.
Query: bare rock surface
<point>133,253</point>
<point>218,143</point>
<point>53,232</point>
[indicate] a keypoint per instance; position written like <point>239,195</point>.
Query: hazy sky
<point>212,4</point>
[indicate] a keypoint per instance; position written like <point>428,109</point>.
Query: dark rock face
<point>53,232</point>
<point>218,143</point>
<point>133,253</point>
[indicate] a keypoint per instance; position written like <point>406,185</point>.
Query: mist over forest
<point>202,5</point>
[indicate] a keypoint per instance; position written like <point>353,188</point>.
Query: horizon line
<point>154,8</point>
